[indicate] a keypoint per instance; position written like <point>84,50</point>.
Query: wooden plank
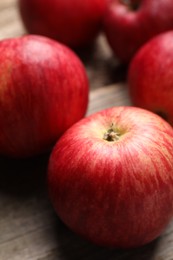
<point>29,227</point>
<point>10,22</point>
<point>108,96</point>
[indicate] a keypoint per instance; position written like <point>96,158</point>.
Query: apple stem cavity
<point>131,4</point>
<point>111,135</point>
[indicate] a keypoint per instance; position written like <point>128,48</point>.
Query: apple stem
<point>111,135</point>
<point>131,4</point>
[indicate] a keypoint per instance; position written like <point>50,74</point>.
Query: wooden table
<point>29,228</point>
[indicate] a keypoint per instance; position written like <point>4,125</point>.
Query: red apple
<point>43,91</point>
<point>110,177</point>
<point>128,24</point>
<point>74,22</point>
<point>150,76</point>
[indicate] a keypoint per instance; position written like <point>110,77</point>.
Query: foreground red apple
<point>110,177</point>
<point>73,22</point>
<point>43,91</point>
<point>128,24</point>
<point>150,76</point>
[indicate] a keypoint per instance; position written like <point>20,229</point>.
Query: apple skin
<point>75,23</point>
<point>114,193</point>
<point>43,91</point>
<point>150,76</point>
<point>128,24</point>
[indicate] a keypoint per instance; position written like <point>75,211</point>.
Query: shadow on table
<point>102,66</point>
<point>23,177</point>
<point>73,247</point>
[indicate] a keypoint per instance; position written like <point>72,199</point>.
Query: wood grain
<point>29,228</point>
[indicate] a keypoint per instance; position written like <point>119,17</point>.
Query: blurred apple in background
<point>43,91</point>
<point>74,22</point>
<point>150,76</point>
<point>110,177</point>
<point>128,24</point>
